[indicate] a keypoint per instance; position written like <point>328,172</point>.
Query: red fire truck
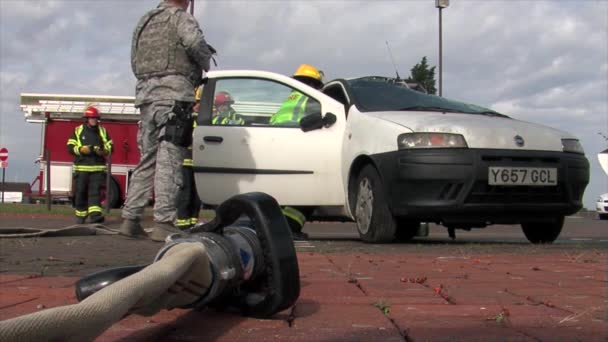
<point>58,116</point>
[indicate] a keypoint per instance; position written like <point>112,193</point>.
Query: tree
<point>423,75</point>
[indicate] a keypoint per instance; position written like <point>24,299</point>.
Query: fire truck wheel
<point>113,195</point>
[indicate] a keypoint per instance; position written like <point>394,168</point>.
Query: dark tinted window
<point>376,95</point>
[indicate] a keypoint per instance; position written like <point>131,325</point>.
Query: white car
<point>388,158</point>
<point>602,206</point>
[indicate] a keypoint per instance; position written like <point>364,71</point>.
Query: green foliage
<point>423,75</point>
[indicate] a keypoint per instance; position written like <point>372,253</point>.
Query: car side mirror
<point>316,121</point>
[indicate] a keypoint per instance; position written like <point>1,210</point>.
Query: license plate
<point>522,176</point>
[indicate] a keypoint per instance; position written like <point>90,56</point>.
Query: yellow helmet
<point>307,72</point>
<point>198,93</point>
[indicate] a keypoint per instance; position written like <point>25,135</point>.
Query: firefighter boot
<point>132,228</point>
<point>80,219</point>
<point>162,230</point>
<point>96,218</point>
<point>296,230</point>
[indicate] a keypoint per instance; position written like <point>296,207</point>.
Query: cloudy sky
<point>541,61</point>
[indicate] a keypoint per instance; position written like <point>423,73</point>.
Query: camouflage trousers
<point>159,168</point>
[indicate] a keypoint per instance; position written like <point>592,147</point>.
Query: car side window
<point>336,92</point>
<point>259,102</point>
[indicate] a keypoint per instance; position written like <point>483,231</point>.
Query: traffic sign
<point>3,154</point>
<point>3,164</point>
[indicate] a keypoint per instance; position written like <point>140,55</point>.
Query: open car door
<point>248,153</point>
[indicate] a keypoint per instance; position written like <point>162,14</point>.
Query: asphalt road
<point>578,229</point>
<point>582,236</point>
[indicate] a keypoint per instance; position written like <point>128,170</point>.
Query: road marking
<point>574,217</point>
<point>580,239</point>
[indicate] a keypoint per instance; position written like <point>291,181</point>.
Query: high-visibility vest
<point>229,117</point>
<point>90,163</point>
<point>292,110</point>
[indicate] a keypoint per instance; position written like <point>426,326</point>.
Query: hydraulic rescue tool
<point>253,261</point>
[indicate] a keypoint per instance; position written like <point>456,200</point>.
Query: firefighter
<point>188,203</point>
<point>168,56</point>
<point>224,114</point>
<point>295,107</point>
<point>90,144</point>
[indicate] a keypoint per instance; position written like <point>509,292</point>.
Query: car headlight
<point>572,146</point>
<point>430,140</point>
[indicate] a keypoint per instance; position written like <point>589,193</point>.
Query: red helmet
<point>223,98</point>
<point>91,112</point>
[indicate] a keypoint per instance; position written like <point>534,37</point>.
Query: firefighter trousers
<point>188,203</point>
<point>87,193</point>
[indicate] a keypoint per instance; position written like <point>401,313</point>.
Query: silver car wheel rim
<point>365,201</point>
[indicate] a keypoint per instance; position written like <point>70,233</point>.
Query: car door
<point>249,154</point>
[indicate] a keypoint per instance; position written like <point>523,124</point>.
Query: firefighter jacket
<point>97,138</point>
<point>294,109</point>
<point>228,117</point>
<point>188,160</point>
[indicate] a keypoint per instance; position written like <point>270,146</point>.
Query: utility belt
<point>179,126</point>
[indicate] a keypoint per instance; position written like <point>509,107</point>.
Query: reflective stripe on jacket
<point>84,135</point>
<point>292,110</point>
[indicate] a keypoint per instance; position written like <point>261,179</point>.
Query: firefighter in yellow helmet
<point>188,203</point>
<point>298,105</point>
<point>89,144</point>
<point>295,107</point>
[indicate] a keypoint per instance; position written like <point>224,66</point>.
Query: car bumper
<point>602,207</point>
<point>451,185</point>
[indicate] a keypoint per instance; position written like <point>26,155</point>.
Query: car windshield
<point>372,95</point>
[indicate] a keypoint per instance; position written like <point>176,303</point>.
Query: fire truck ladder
<point>39,107</point>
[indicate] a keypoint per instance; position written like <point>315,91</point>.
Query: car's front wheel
<point>603,216</point>
<point>375,222</point>
<point>544,231</point>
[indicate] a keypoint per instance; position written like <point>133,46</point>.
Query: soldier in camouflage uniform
<point>168,56</point>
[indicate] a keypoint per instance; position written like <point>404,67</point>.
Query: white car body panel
<point>481,131</point>
<point>602,204</point>
<point>273,149</point>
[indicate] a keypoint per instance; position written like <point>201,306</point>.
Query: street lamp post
<point>441,4</point>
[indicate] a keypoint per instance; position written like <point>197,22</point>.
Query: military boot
<point>162,230</point>
<point>132,228</point>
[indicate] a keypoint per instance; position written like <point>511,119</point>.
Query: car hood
<point>481,131</point>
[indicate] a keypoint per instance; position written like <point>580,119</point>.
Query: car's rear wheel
<point>543,231</point>
<point>375,222</point>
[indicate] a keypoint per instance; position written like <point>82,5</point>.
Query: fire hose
<point>244,260</point>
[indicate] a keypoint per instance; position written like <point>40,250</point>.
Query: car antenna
<point>390,53</point>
